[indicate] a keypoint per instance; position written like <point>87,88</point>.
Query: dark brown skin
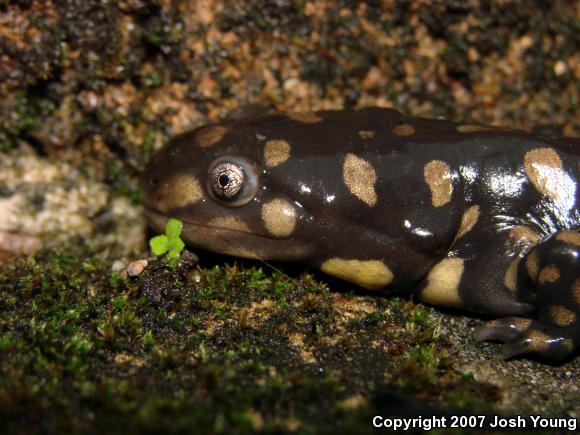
<point>472,217</point>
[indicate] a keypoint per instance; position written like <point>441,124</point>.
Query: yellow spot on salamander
<point>276,152</point>
<point>523,237</point>
<point>229,223</point>
<point>210,135</point>
<point>576,290</point>
<point>471,128</point>
<point>548,274</point>
<point>533,265</point>
<point>538,341</point>
<point>404,130</point>
<point>370,274</point>
<point>279,216</point>
<point>520,324</point>
<point>545,170</point>
<point>468,221</point>
<point>561,316</point>
<point>511,275</point>
<point>360,178</point>
<point>438,177</point>
<point>443,283</point>
<point>306,117</point>
<point>180,191</point>
<point>570,237</point>
<point>238,251</point>
<point>366,134</point>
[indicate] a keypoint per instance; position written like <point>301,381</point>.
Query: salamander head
<point>219,181</point>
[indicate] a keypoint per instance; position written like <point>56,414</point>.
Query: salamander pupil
<point>223,180</point>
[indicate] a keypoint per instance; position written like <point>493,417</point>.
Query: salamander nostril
<point>154,181</point>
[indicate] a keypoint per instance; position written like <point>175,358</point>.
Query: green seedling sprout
<point>170,242</point>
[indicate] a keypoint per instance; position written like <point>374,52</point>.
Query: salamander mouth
<point>229,241</point>
<point>158,221</point>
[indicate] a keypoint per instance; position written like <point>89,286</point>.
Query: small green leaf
<point>173,258</point>
<point>176,245</point>
<point>173,229</point>
<point>159,244</point>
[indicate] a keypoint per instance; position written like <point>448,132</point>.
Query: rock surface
<point>90,89</point>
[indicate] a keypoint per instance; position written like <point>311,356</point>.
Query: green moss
<point>6,342</point>
<point>121,182</point>
<point>153,80</point>
<point>27,112</point>
<point>419,316</point>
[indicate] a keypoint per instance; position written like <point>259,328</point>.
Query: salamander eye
<point>227,180</point>
<point>232,180</point>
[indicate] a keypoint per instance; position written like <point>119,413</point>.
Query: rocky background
<point>90,89</point>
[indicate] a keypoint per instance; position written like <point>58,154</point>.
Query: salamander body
<point>478,218</point>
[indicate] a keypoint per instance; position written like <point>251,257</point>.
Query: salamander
<point>483,219</point>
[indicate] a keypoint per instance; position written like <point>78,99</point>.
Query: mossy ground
<point>227,349</point>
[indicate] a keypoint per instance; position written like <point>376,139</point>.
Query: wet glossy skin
<point>472,217</point>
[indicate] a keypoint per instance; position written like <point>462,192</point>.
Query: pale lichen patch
<point>20,244</point>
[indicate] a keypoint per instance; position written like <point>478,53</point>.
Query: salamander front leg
<point>526,336</point>
<point>551,272</point>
